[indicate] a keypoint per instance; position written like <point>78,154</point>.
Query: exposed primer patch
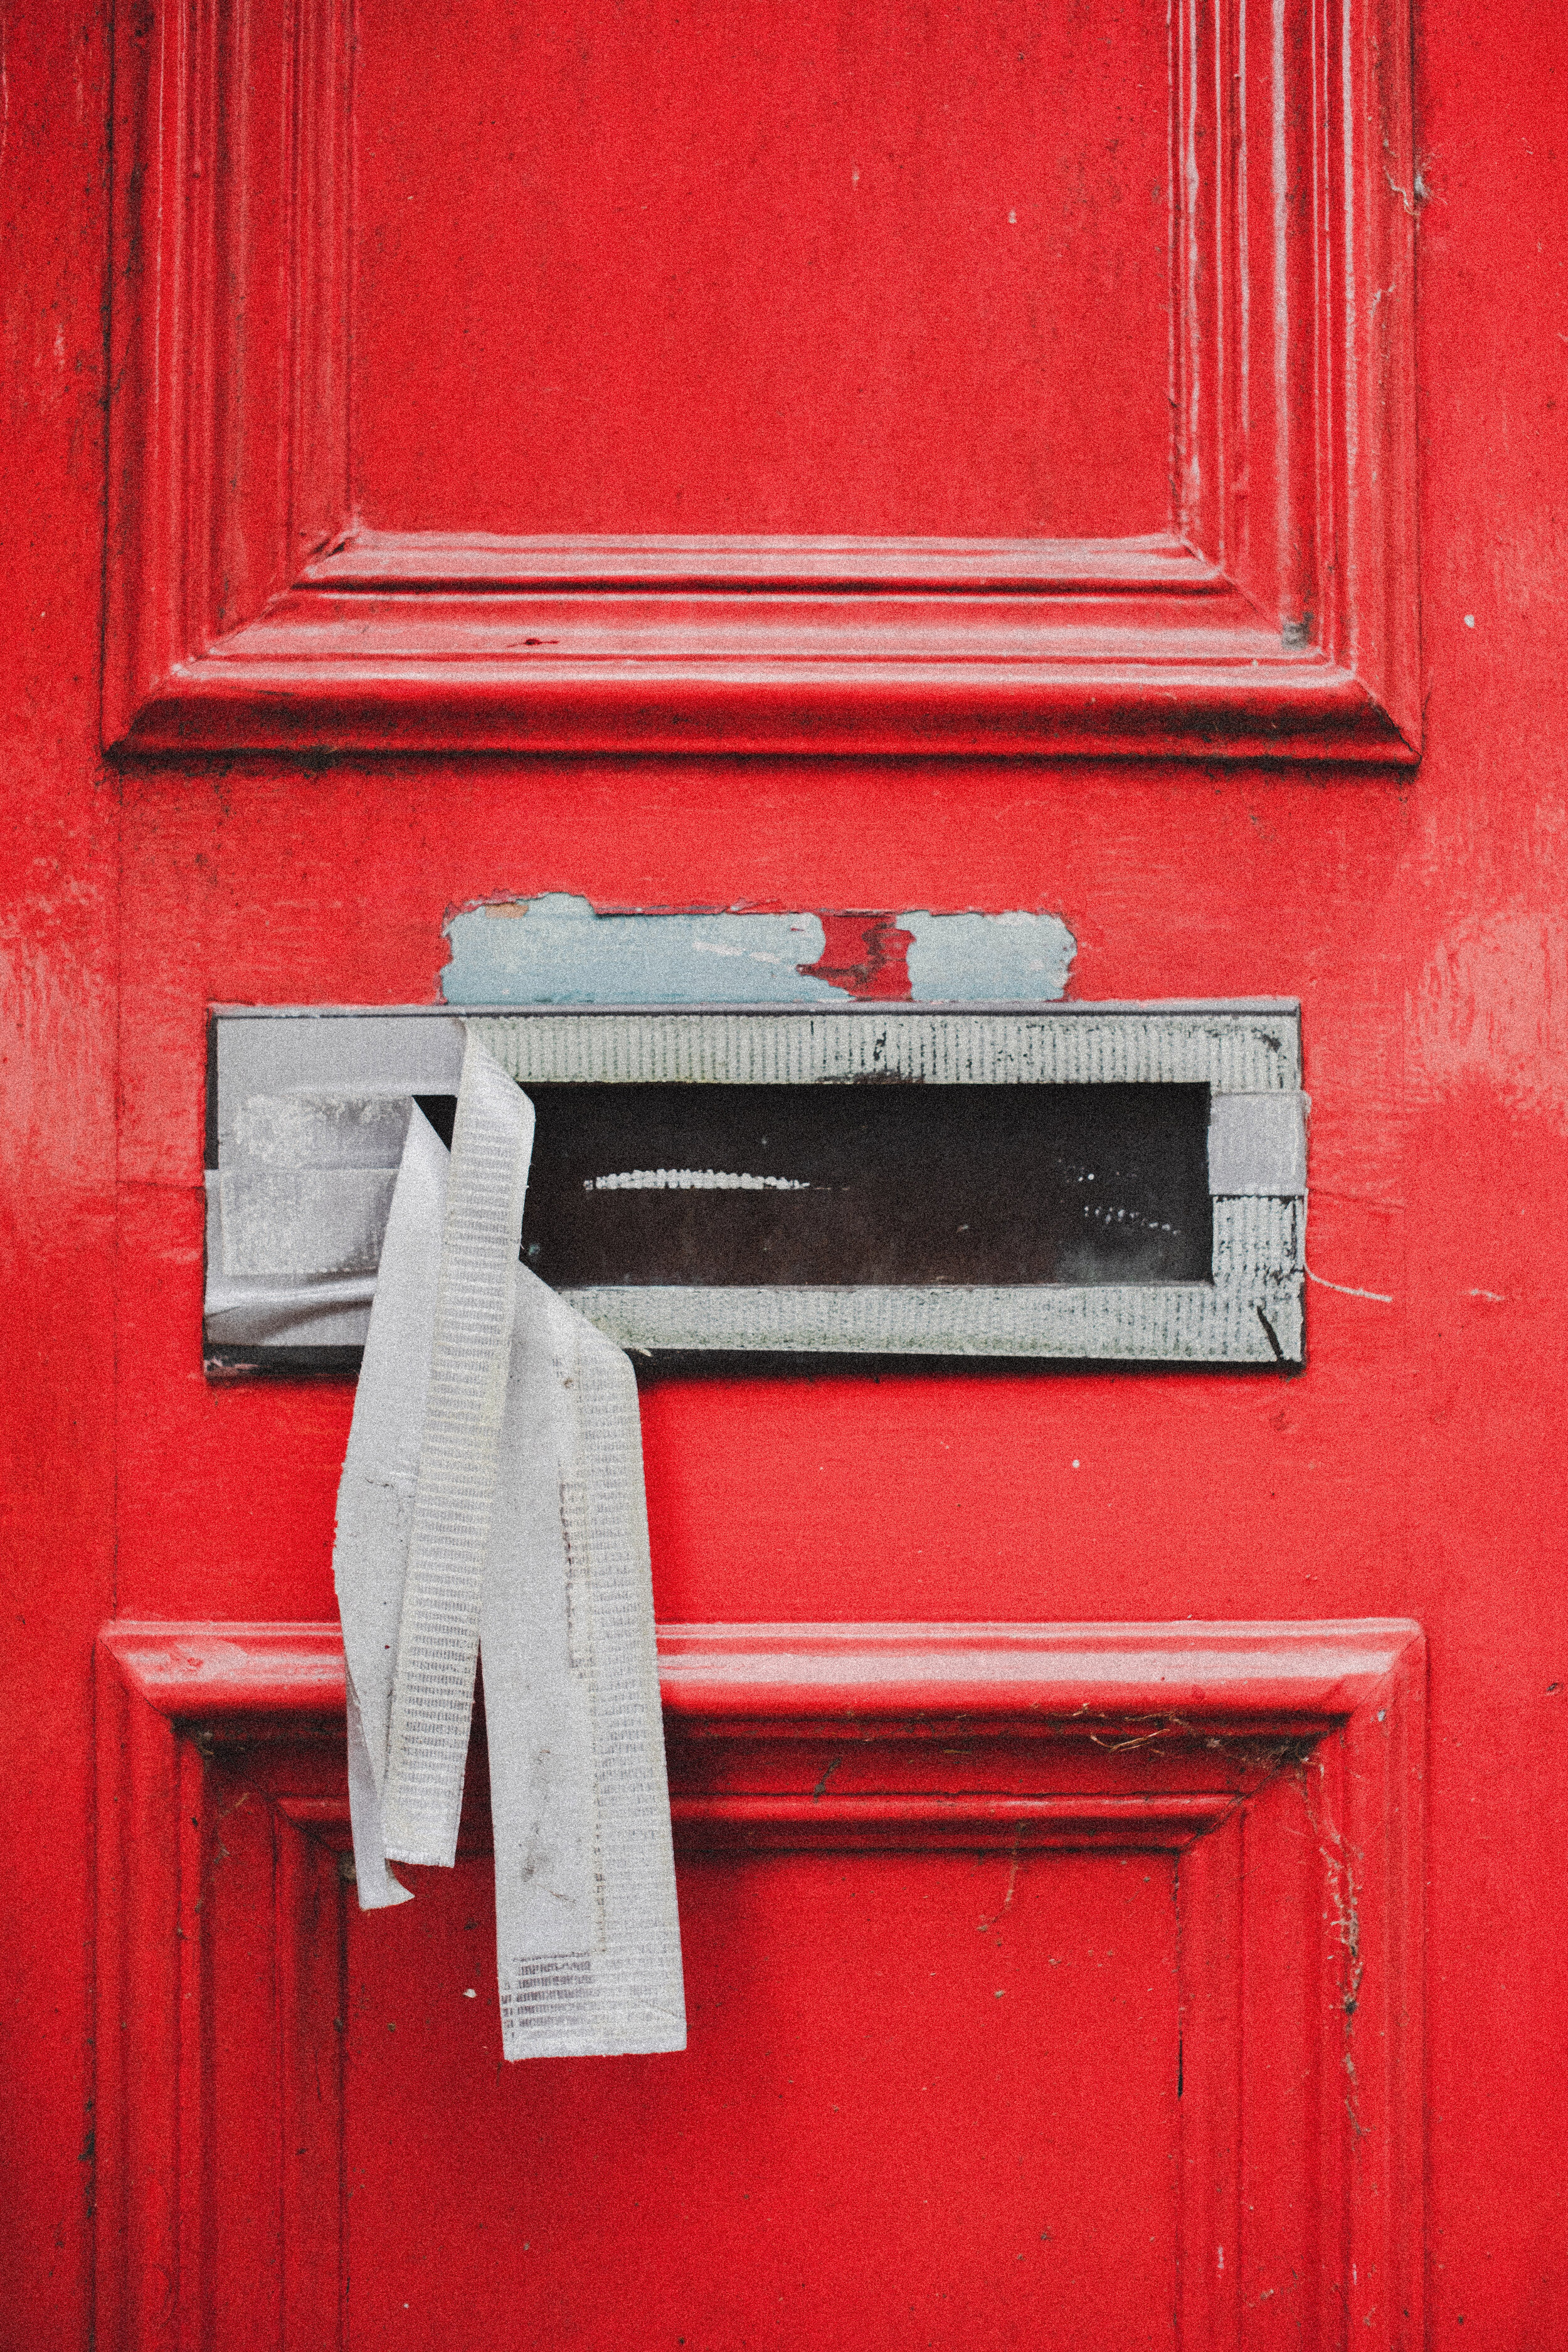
<point>988,959</point>
<point>554,950</point>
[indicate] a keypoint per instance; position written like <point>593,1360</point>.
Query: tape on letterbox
<point>307,1183</point>
<point>1257,1145</point>
<point>492,1506</point>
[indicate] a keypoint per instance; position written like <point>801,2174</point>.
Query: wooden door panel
<point>1108,1932</point>
<point>486,384</point>
<point>1414,1465</point>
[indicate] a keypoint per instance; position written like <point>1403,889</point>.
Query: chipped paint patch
<point>987,958</point>
<point>555,950</point>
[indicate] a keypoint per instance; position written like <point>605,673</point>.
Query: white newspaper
<point>492,1507</point>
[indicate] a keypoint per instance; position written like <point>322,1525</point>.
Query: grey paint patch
<point>988,959</point>
<point>556,950</point>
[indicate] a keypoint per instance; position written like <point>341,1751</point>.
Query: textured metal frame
<point>1250,1311</point>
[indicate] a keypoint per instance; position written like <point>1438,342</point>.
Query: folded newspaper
<point>492,1511</point>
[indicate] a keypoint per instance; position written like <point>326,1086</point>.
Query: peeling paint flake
<point>988,959</point>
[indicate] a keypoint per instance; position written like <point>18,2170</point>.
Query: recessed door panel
<point>735,266</point>
<point>1045,1984</point>
<point>928,2097</point>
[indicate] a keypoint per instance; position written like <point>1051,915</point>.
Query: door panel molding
<point>1275,618</point>
<point>1283,1764</point>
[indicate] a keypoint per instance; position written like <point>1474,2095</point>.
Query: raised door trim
<point>1315,1814</point>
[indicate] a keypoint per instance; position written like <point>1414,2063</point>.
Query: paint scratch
<point>1347,1290</point>
<point>1342,1864</point>
<point>690,1180</point>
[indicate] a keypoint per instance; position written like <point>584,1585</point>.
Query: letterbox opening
<point>874,1183</point>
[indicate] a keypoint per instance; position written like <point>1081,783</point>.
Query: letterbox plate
<point>1137,1195</point>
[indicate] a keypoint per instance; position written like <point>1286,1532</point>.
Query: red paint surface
<point>58,945</point>
<point>875,2135</point>
<point>865,955</point>
<point>1416,1467</point>
<point>799,242</point>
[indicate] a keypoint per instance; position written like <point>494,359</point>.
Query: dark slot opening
<point>441,1110</point>
<point>880,1183</point>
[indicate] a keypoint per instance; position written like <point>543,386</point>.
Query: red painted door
<point>859,468</point>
